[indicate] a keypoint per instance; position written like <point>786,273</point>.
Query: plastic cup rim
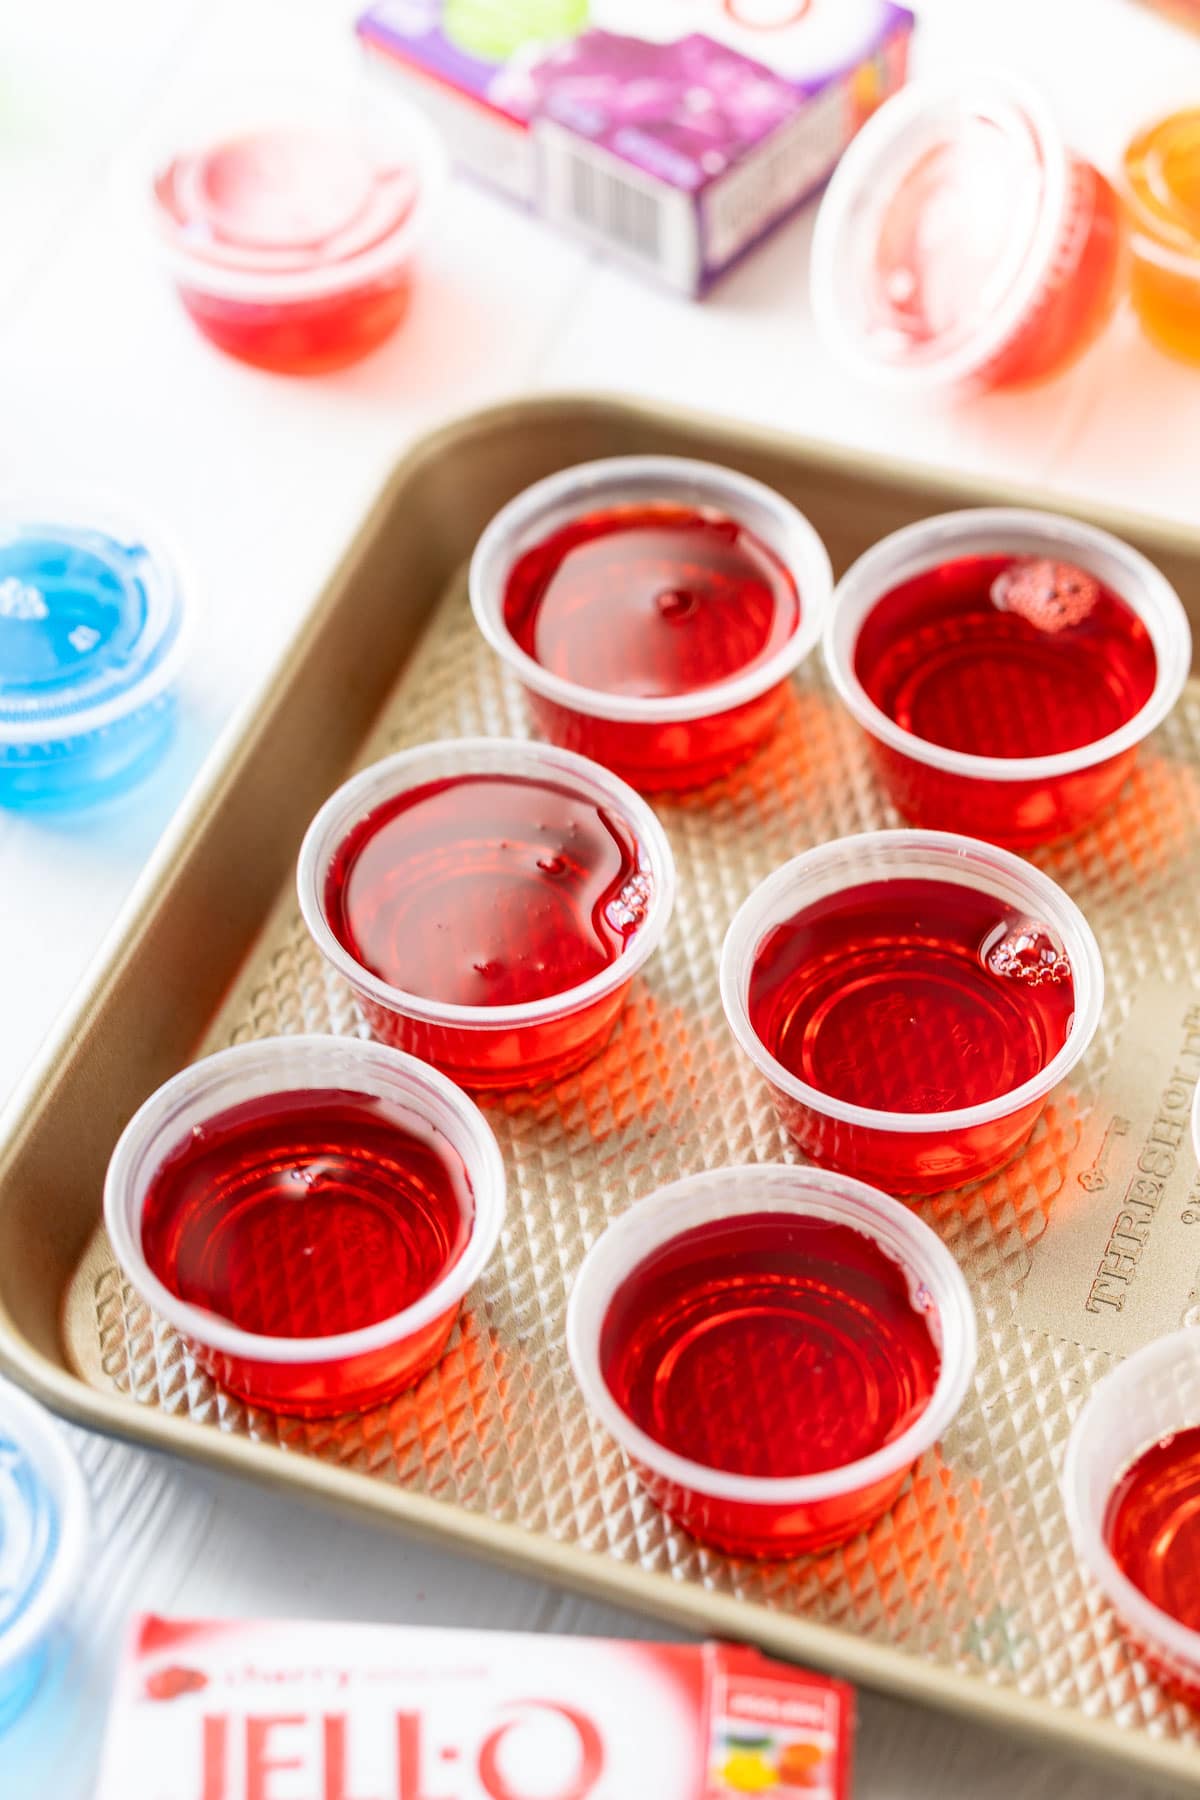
<point>57,1466</point>
<point>854,171</point>
<point>1150,596</point>
<point>1047,901</point>
<point>124,1206</point>
<point>383,780</point>
<point>96,511</point>
<point>711,485</point>
<point>300,285</point>
<point>670,1212</point>
<point>1084,1509</point>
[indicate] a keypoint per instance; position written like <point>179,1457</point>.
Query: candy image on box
<point>232,1710</point>
<point>676,150</point>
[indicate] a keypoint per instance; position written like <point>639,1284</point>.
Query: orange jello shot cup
<point>962,244</point>
<point>1162,194</point>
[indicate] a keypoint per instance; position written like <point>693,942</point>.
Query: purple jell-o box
<point>676,154</point>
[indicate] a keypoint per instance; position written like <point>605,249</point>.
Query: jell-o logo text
<point>542,1750</point>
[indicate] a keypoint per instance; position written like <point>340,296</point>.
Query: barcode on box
<point>613,206</point>
<point>763,187</point>
<point>616,207</point>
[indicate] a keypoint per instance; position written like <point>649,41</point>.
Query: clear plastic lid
<point>92,622</point>
<point>293,194</point>
<point>939,229</point>
<point>42,1525</point>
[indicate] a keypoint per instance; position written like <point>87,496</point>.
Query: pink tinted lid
<point>938,230</point>
<point>294,200</point>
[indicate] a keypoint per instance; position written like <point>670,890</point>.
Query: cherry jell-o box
<point>672,134</point>
<point>209,1710</point>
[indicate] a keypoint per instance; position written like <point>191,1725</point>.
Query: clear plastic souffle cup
<point>1018,800</point>
<point>43,1540</point>
<point>96,617</point>
<point>660,742</point>
<point>290,219</point>
<point>1139,1404</point>
<point>765,1517</point>
<point>350,1370</point>
<point>961,244</point>
<point>910,1153</point>
<point>521,1044</point>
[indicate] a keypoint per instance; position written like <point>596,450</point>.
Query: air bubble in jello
<point>1027,954</point>
<point>93,621</point>
<point>961,242</point>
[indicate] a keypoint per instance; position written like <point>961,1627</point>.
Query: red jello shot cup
<point>555,884</point>
<point>289,223</point>
<point>1005,665</point>
<point>790,1315</point>
<point>680,667</point>
<point>961,244</point>
<point>911,999</point>
<point>1146,1407</point>
<point>298,1183</point>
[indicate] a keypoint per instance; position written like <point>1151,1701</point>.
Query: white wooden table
<point>102,380</point>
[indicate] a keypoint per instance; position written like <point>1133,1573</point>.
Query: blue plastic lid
<point>92,622</point>
<point>42,1526</point>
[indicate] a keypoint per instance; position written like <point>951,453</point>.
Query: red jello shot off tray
<point>967,1593</point>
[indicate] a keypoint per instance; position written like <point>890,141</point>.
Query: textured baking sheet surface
<point>973,1568</point>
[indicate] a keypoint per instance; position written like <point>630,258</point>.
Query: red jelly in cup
<point>961,243</point>
<point>290,232</point>
<point>653,609</point>
<point>489,901</point>
<point>1005,666</point>
<point>911,998</point>
<point>1131,1486</point>
<point>773,1348</point>
<point>308,1214</point>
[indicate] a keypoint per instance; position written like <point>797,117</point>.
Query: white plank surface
<point>262,479</point>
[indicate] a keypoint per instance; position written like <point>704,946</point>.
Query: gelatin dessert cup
<point>933,989</point>
<point>302,1182</point>
<point>1150,1400</point>
<point>771,1359</point>
<point>290,221</point>
<point>95,620</point>
<point>980,694</point>
<point>489,901</point>
<point>657,599</point>
<point>1162,197</point>
<point>43,1539</point>
<point>962,244</point>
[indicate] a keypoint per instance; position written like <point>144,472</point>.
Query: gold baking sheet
<point>967,1593</point>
